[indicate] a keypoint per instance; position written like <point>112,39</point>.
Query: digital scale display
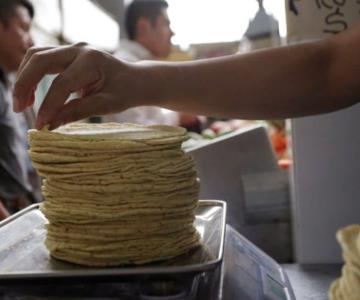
<point>251,274</point>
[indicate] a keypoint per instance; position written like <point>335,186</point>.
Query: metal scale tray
<point>25,261</point>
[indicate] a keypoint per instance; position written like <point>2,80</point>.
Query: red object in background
<point>218,126</point>
<point>221,127</point>
<point>279,142</point>
<point>277,136</point>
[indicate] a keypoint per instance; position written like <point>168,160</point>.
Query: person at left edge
<point>15,189</point>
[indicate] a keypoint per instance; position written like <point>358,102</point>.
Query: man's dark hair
<point>7,9</point>
<point>149,9</point>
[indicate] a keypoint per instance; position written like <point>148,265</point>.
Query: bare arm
<point>277,83</point>
<point>292,81</point>
<point>284,82</point>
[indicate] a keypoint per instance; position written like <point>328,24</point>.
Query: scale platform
<point>245,273</point>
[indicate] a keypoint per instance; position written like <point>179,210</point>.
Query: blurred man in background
<point>15,190</point>
<point>148,29</point>
<point>149,38</point>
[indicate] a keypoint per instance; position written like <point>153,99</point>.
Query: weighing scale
<point>250,274</point>
<point>246,273</point>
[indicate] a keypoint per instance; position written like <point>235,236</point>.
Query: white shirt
<point>147,115</point>
<point>132,51</point>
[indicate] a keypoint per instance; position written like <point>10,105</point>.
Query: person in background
<point>15,189</point>
<point>149,34</point>
<point>148,30</point>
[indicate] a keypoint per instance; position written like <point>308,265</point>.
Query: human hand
<point>103,84</point>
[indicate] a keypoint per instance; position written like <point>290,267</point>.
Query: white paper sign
<point>325,181</point>
<point>313,19</point>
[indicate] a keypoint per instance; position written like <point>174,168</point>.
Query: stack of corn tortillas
<point>347,287</point>
<point>116,193</point>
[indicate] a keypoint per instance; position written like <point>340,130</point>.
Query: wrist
<point>148,84</point>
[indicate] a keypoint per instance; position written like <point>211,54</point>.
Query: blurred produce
<point>279,141</point>
<point>223,127</point>
<point>276,129</point>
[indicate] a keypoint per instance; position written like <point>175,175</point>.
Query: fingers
<point>29,53</point>
<point>35,67</point>
<point>80,69</point>
<point>77,76</point>
<point>78,109</point>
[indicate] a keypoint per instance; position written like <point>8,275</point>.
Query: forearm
<point>282,82</point>
<point>344,70</point>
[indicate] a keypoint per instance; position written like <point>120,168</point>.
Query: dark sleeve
<point>9,187</point>
<point>4,106</point>
<point>7,134</point>
<point>10,183</point>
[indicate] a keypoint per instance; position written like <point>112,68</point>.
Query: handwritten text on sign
<point>335,12</point>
